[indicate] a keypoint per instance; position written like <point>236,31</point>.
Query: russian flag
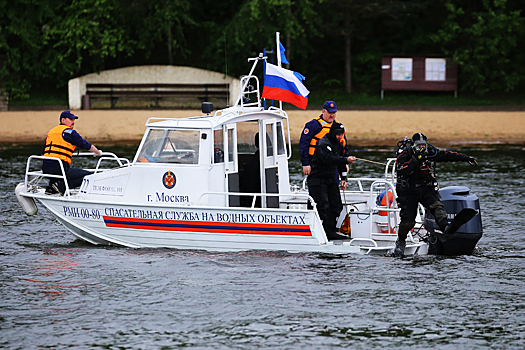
<point>283,85</point>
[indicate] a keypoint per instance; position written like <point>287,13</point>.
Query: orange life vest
<point>56,146</point>
<point>325,129</point>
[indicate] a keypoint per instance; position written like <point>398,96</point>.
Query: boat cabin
<point>208,159</point>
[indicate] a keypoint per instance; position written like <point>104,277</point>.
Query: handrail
<point>111,156</point>
<point>255,195</point>
<point>390,162</point>
<point>363,239</point>
<point>388,186</point>
<point>359,181</point>
<point>67,193</point>
<point>40,173</point>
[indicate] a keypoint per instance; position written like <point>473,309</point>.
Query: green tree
<point>358,20</point>
<point>22,29</point>
<point>48,42</point>
<point>159,28</point>
<point>84,34</point>
<point>486,43</point>
<point>253,27</point>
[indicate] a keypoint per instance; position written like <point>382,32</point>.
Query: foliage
<point>486,44</point>
<point>336,44</point>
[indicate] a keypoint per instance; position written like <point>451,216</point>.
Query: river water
<point>58,293</point>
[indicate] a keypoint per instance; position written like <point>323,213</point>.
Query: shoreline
<point>363,127</point>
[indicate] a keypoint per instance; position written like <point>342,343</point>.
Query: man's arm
<point>448,156</point>
<point>309,131</point>
<point>406,163</point>
<point>74,137</point>
<point>326,156</point>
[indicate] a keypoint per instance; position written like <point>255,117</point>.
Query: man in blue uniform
<point>314,131</point>
<point>322,185</point>
<point>416,183</point>
<point>61,142</point>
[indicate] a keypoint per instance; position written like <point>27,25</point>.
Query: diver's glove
<point>472,161</point>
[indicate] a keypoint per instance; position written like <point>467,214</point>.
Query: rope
<point>9,213</point>
<point>370,161</point>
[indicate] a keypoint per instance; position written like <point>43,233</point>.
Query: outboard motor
<point>463,242</point>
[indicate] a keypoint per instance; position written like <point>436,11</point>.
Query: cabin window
<point>247,137</point>
<point>230,145</point>
<point>171,146</point>
<point>280,139</point>
<point>269,138</point>
<point>218,145</point>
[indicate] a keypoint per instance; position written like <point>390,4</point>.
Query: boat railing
<point>105,156</point>
<point>357,180</point>
<point>244,83</point>
<point>373,212</point>
<point>390,209</point>
<point>390,169</point>
<point>306,198</point>
<point>33,177</point>
<point>38,174</point>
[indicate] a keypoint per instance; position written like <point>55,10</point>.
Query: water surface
<point>57,292</point>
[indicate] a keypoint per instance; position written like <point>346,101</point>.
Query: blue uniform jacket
<point>311,129</point>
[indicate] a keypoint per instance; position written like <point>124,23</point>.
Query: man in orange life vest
<point>61,142</point>
<point>315,130</point>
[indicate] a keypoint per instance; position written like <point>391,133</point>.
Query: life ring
<point>385,199</point>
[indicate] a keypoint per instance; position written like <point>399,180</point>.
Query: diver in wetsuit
<point>416,183</point>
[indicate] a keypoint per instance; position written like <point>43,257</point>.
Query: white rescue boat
<point>202,183</point>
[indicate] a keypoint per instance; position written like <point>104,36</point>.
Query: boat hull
<point>211,229</point>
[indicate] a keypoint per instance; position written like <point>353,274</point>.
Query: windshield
<point>171,146</point>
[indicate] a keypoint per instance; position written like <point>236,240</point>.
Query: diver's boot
<point>399,250</point>
<point>446,233</point>
<point>404,228</point>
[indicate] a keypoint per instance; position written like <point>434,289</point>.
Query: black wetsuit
<point>322,184</point>
<point>416,184</point>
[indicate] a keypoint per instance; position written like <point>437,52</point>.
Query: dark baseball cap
<point>337,128</point>
<point>68,114</point>
<point>330,106</point>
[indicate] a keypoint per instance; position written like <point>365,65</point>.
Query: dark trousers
<point>326,195</point>
<point>408,199</point>
<point>74,176</point>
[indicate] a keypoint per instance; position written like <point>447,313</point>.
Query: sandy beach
<point>379,128</point>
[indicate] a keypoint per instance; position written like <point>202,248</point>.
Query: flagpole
<point>278,51</point>
<point>277,41</point>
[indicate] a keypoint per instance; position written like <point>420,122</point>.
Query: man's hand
<point>350,159</point>
<point>95,150</point>
<point>472,161</point>
<point>307,169</point>
<point>343,184</point>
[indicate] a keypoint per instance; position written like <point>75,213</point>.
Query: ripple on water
<point>57,292</point>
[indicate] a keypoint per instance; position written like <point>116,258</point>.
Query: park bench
<point>201,91</point>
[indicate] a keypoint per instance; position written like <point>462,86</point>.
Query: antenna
<point>226,69</point>
<point>225,56</point>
